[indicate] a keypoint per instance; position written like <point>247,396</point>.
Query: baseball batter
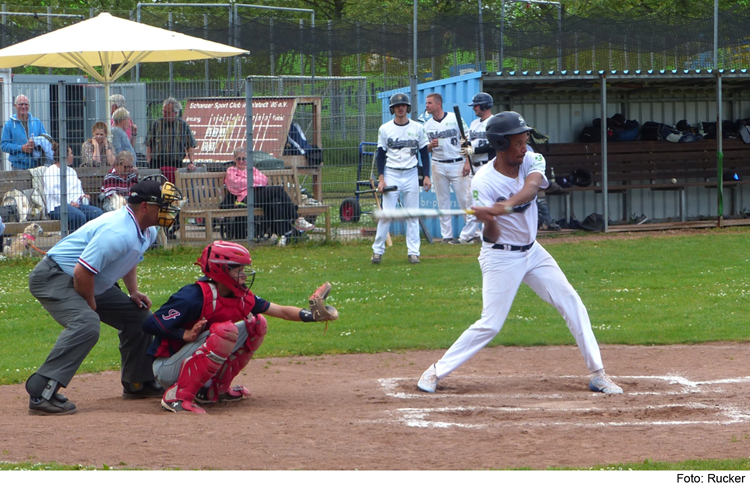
<point>504,200</point>
<point>399,142</point>
<point>477,153</point>
<point>447,163</point>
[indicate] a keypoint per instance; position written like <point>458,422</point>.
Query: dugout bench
<point>655,165</point>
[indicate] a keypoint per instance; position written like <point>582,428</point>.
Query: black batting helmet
<point>483,100</point>
<point>400,98</point>
<point>502,124</point>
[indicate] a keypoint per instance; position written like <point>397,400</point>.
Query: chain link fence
<point>343,126</point>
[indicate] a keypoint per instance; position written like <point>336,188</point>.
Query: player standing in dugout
<point>399,142</point>
<point>504,196</point>
<point>478,152</point>
<point>447,165</point>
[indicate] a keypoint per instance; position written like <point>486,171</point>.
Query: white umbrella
<point>106,41</point>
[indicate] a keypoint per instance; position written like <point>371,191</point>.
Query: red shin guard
<point>256,333</point>
<point>201,366</point>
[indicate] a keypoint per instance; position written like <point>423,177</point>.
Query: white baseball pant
<point>408,185</point>
<point>443,176</point>
<point>503,272</point>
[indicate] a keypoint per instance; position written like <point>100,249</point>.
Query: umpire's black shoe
<point>59,405</point>
<point>149,389</point>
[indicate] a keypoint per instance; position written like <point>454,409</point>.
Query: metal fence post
<point>250,163</point>
<point>62,152</point>
<point>171,64</point>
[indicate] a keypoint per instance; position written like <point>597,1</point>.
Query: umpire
<point>77,284</point>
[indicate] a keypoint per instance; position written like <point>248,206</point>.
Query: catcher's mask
<point>159,192</point>
<point>220,258</point>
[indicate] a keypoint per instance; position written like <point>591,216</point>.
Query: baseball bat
<point>406,213</point>
<point>460,122</point>
<point>388,240</point>
<point>389,188</point>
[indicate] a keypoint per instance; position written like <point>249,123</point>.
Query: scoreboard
<point>219,125</point>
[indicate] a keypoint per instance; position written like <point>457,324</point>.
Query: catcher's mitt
<point>320,311</point>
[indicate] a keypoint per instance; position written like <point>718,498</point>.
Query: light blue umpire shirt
<point>109,246</point>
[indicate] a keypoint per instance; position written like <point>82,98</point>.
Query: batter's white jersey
<point>401,143</point>
<point>490,186</point>
<point>448,135</point>
<point>478,138</point>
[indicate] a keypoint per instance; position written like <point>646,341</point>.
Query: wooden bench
<point>656,165</point>
<point>205,192</point>
<point>91,181</point>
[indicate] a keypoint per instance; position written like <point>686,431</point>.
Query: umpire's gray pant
<point>54,290</point>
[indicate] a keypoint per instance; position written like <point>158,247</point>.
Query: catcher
<point>207,332</point>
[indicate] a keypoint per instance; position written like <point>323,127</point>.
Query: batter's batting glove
<point>467,150</point>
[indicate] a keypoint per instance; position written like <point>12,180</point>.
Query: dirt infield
<point>506,408</point>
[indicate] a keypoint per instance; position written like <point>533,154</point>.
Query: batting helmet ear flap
<point>501,125</point>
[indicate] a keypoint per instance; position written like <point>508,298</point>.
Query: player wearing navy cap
<point>504,192</point>
<point>399,142</point>
<point>77,284</point>
<point>478,153</point>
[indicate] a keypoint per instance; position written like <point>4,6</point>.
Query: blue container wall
<point>459,90</point>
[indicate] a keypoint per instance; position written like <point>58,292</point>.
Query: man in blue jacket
<point>18,135</point>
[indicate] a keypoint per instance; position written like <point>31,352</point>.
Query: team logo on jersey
<point>401,144</point>
<point>473,134</point>
<point>172,314</point>
<point>443,134</point>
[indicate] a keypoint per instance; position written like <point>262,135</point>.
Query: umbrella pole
<point>107,72</point>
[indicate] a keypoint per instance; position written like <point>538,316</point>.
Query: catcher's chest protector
<point>220,309</point>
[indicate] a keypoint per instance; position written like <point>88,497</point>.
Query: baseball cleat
<point>462,241</point>
<point>413,259</point>
<point>428,381</point>
<point>181,406</point>
<point>207,396</point>
<point>237,392</point>
<point>149,389</point>
<point>171,403</point>
<point>376,259</point>
<point>602,383</point>
<point>59,405</point>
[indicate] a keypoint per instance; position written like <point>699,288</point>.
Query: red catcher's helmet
<point>217,260</point>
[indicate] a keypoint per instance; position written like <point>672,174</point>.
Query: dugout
<point>560,104</point>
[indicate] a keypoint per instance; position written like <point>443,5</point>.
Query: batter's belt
<point>510,247</point>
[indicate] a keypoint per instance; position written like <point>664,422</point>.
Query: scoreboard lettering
<point>218,125</point>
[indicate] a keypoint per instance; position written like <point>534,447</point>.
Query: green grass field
<point>641,291</point>
<point>644,291</point>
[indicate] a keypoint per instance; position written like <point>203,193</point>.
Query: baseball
<point>674,180</point>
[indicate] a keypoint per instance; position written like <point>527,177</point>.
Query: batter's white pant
<point>502,273</point>
<point>408,185</point>
<point>443,176</point>
<point>167,369</point>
